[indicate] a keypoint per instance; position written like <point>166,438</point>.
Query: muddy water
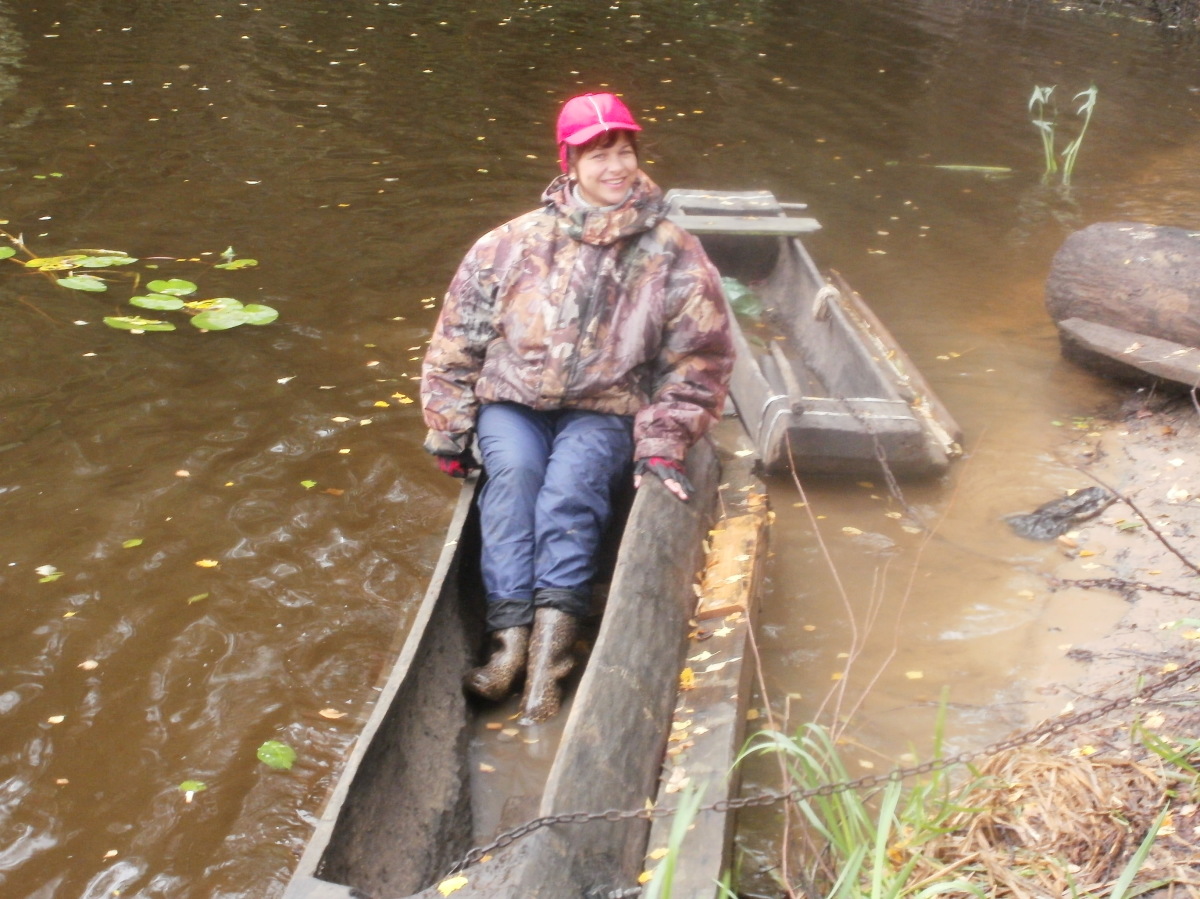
<point>355,149</point>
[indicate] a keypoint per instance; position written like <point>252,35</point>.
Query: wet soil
<point>1143,549</point>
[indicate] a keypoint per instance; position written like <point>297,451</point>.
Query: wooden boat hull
<point>400,814</point>
<point>820,384</point>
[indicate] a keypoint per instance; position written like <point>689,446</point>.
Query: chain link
<point>1122,585</point>
<point>1051,727</point>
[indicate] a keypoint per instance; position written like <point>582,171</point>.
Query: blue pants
<point>544,507</point>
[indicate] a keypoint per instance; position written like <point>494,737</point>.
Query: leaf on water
<point>48,573</point>
<point>55,263</point>
<point>193,786</point>
<point>258,314</point>
<point>234,264</point>
<point>914,675</point>
<point>137,323</point>
<point>853,532</point>
<point>176,287</point>
<point>89,283</point>
<point>207,563</point>
<point>274,754</point>
<point>198,597</point>
<point>308,485</point>
<point>7,252</point>
<point>332,714</point>
<point>106,260</point>
<point>159,301</point>
<point>985,169</point>
<point>132,542</point>
<point>89,665</point>
<point>56,719</point>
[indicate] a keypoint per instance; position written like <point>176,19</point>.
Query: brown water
<point>355,149</point>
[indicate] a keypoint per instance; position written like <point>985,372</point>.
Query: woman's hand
<point>669,471</point>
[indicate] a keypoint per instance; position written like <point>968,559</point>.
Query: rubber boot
<point>494,680</point>
<point>550,660</point>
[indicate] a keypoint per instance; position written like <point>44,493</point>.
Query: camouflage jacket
<point>567,307</point>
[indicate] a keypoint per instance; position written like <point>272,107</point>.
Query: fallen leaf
<point>656,854</point>
<point>207,563</point>
<point>452,885</point>
<point>914,675</point>
<point>644,877</point>
<point>687,679</point>
<point>197,597</point>
<point>332,714</point>
<point>486,768</point>
<point>56,719</point>
<point>853,532</point>
<point>132,542</point>
<point>89,665</point>
<point>308,485</point>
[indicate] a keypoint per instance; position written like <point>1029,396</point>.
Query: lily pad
<point>56,263</point>
<point>176,287</point>
<point>220,318</point>
<point>274,754</point>
<point>6,252</point>
<point>157,301</point>
<point>90,283</point>
<point>106,261</point>
<point>234,264</point>
<point>137,323</point>
<point>258,314</point>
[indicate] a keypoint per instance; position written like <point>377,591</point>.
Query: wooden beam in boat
<point>710,712</point>
<point>779,226</point>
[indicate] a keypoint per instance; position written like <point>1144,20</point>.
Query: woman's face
<point>605,174</point>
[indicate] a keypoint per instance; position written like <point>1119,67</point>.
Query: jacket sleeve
<point>691,371</point>
<point>456,352</point>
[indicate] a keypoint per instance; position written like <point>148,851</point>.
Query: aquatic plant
<point>85,270</point>
<point>1038,103</point>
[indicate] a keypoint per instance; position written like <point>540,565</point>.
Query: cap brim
<point>583,135</point>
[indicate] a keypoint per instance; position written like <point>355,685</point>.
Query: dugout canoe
<point>819,382</point>
<point>400,813</point>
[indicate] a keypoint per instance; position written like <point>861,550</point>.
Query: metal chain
<point>1120,584</point>
<point>1051,727</point>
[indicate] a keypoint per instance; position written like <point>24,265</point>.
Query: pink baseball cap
<point>588,115</point>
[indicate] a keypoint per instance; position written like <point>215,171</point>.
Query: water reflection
<point>356,149</point>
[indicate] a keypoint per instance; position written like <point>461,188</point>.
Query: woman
<point>574,341</point>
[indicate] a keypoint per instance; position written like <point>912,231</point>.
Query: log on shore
<point>1140,279</point>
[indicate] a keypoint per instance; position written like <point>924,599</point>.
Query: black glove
<point>458,466</point>
<point>666,470</point>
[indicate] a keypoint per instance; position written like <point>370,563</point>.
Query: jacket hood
<point>641,211</point>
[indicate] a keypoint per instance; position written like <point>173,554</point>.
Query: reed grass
<point>1039,101</point>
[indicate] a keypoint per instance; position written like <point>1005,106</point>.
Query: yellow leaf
<point>208,563</point>
<point>331,713</point>
<point>644,877</point>
<point>1169,667</point>
<point>837,675</point>
<point>914,675</point>
<point>687,679</point>
<point>384,404</point>
<point>853,532</point>
<point>452,885</point>
<point>660,852</point>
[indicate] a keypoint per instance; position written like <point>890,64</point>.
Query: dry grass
<point>1044,823</point>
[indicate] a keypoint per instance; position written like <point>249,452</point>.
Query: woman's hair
<point>603,141</point>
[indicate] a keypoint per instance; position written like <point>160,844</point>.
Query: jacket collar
<point>641,211</point>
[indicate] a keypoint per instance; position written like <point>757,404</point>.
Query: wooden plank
<point>730,574</point>
<point>724,202</point>
<point>781,226</point>
<point>1160,358</point>
<point>708,729</point>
